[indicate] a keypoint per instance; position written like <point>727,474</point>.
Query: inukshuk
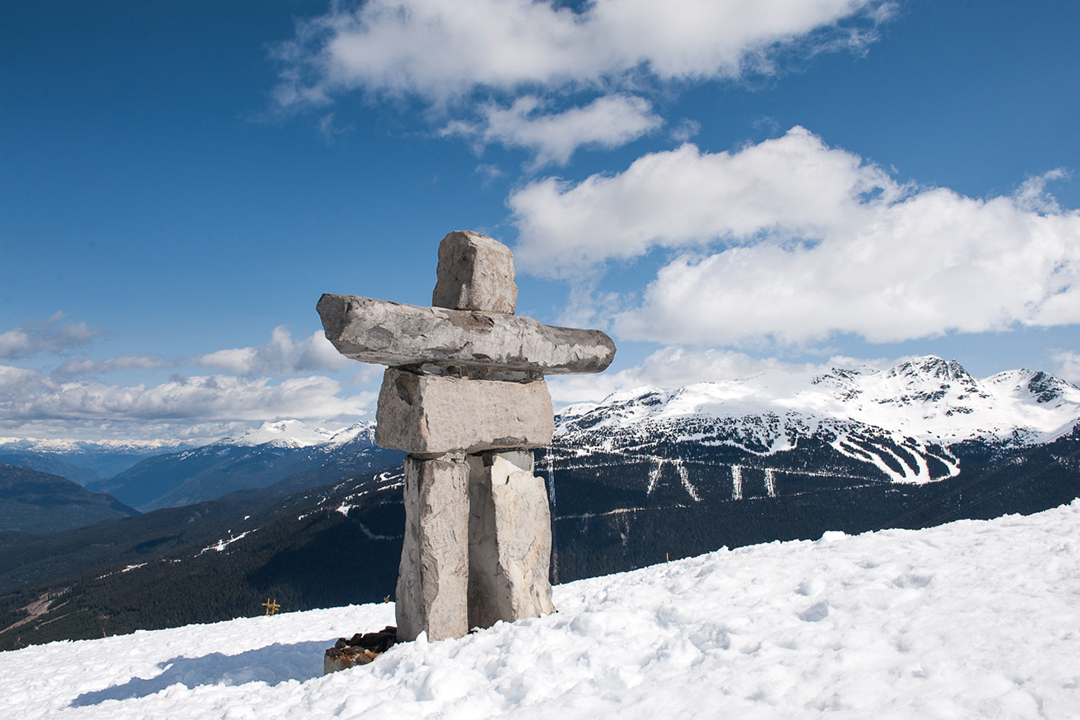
<point>464,395</point>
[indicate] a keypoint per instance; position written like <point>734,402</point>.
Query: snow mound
<point>971,619</point>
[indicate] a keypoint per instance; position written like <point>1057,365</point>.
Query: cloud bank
<point>790,241</point>
<point>29,396</point>
<point>73,399</point>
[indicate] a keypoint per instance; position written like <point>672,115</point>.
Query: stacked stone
<point>465,396</point>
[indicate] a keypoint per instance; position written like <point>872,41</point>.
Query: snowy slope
<point>971,619</point>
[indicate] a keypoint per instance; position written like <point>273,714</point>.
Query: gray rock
<point>398,335</point>
<point>431,414</point>
<point>475,273</point>
<point>432,587</point>
<point>509,540</point>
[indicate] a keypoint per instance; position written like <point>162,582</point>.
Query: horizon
<point>778,387</point>
<point>866,181</point>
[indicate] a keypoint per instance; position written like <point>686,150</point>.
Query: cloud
<point>51,335</point>
<point>72,402</point>
<point>484,64</point>
<point>685,129</point>
<point>607,122</point>
<point>280,356</point>
<point>790,241</point>
<point>1067,365</point>
<point>86,366</point>
<point>441,51</point>
<point>673,367</point>
<point>27,395</point>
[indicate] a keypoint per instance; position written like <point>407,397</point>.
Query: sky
<point>720,185</point>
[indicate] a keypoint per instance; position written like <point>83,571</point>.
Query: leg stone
<point>433,578</point>
<point>509,539</point>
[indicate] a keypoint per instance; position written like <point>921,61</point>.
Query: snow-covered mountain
<point>650,473</point>
<point>281,433</point>
<point>971,619</point>
<point>82,461</point>
<point>900,421</point>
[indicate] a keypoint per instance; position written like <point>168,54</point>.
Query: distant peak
<point>289,433</point>
<point>931,366</point>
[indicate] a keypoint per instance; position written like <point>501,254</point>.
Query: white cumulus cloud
<point>607,122</point>
<point>486,62</point>
<point>282,355</point>
<point>441,50</point>
<point>790,241</point>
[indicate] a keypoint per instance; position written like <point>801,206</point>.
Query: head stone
<point>475,273</point>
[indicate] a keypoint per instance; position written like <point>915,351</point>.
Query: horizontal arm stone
<point>399,335</point>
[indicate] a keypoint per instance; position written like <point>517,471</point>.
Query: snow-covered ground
<point>972,619</point>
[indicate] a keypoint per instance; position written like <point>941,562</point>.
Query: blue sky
<point>717,184</point>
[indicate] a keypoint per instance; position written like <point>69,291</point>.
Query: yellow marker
<point>271,606</point>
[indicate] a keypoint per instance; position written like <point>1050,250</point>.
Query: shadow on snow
<point>272,665</point>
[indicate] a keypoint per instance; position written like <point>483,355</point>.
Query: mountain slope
<point>51,464</point>
<point>37,502</point>
<point>205,562</point>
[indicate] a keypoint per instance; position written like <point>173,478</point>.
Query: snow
<point>221,544</point>
<point>971,619</point>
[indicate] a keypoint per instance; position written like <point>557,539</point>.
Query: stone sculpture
<point>464,395</point>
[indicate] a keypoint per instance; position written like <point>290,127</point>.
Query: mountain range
<point>641,477</point>
<point>261,457</point>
